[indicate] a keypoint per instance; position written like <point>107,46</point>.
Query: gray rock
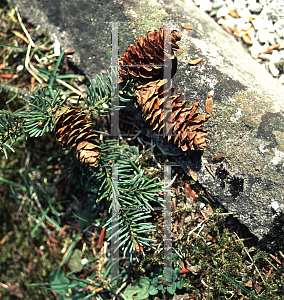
<point>272,16</point>
<point>260,23</point>
<point>281,52</point>
<point>244,14</point>
<point>281,79</point>
<point>256,48</point>
<point>230,22</point>
<point>279,28</point>
<point>263,35</point>
<point>247,122</point>
<point>206,6</point>
<point>198,2</point>
<point>275,56</point>
<point>271,38</point>
<point>278,7</point>
<point>265,56</point>
<point>255,8</point>
<point>223,12</point>
<point>240,4</point>
<point>274,71</point>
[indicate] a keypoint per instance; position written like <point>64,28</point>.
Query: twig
<point>250,258</point>
<point>152,151</point>
<point>118,291</point>
<point>28,67</point>
<point>24,28</point>
<point>13,89</point>
<point>171,182</point>
<point>69,86</point>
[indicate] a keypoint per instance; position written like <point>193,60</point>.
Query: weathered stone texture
<point>247,122</point>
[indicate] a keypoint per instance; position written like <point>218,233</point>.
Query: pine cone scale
<point>148,51</point>
<point>75,132</point>
<point>186,122</point>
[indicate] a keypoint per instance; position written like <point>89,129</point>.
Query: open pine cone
<point>74,131</point>
<point>186,123</point>
<point>145,60</point>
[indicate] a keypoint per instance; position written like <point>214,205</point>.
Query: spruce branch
<point>39,112</point>
<point>117,179</point>
<point>10,130</point>
<point>101,93</point>
<point>131,230</point>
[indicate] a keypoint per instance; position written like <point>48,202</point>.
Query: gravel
<point>259,25</point>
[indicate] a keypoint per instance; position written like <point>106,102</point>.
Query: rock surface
<point>247,124</point>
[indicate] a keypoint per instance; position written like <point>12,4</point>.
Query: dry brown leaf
<point>195,61</point>
<point>270,49</point>
<point>248,283</point>
<point>227,28</point>
<point>139,248</point>
<point>192,174</point>
<point>15,290</point>
<point>190,193</point>
<point>209,170</point>
<point>251,19</point>
<point>219,156</point>
<point>239,292</point>
<point>235,31</point>
<point>186,26</point>
<point>233,12</point>
<point>246,37</point>
<point>258,288</point>
<point>20,35</point>
<point>209,104</point>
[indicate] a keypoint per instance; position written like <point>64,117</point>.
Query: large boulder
<point>243,163</point>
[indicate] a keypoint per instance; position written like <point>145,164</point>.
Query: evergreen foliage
<point>114,176</point>
<point>10,130</point>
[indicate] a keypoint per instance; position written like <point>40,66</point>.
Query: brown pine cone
<point>186,123</point>
<point>145,60</point>
<point>75,132</point>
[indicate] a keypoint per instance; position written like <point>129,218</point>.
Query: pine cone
<point>186,122</point>
<point>145,60</point>
<point>74,131</point>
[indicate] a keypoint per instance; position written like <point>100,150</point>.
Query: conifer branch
<point>10,130</point>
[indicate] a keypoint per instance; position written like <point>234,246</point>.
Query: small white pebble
<point>274,71</point>
<point>84,261</point>
<point>19,68</point>
<point>274,205</point>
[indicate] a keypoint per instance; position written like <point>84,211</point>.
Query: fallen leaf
<point>192,174</point>
<point>270,49</point>
<point>247,35</point>
<point>138,248</point>
<point>246,38</point>
<point>248,283</point>
<point>233,13</point>
<point>209,104</point>
<point>209,170</point>
<point>235,31</point>
<point>9,76</point>
<point>20,35</point>
<point>258,288</point>
<point>190,193</point>
<point>186,26</point>
<point>15,290</point>
<point>219,156</point>
<point>195,61</point>
<point>227,28</point>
